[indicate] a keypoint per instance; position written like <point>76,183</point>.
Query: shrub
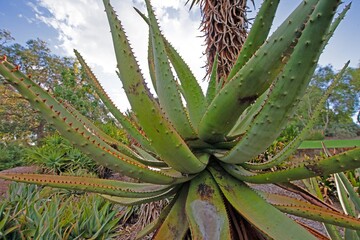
<point>56,155</point>
<point>12,155</point>
<point>32,212</point>
<point>315,135</point>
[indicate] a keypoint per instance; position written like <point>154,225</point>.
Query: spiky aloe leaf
<point>313,186</point>
<point>293,145</point>
<point>353,196</point>
<point>156,223</point>
<point>149,159</point>
<point>193,95</point>
<point>211,90</point>
<point>101,135</point>
<point>257,35</point>
<point>248,116</point>
<point>103,186</point>
<point>175,224</point>
<point>129,127</point>
<point>257,211</point>
<point>126,201</point>
<point>165,140</point>
<point>304,209</point>
<point>192,92</point>
<point>167,90</point>
<point>205,209</point>
<point>251,81</point>
<point>288,88</point>
<point>151,61</point>
<point>341,162</point>
<point>349,201</point>
<point>78,135</point>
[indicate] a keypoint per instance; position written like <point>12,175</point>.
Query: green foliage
<point>59,75</point>
<point>336,117</point>
<point>343,186</point>
<point>315,135</point>
<point>31,212</point>
<point>345,130</point>
<point>8,225</point>
<point>199,150</point>
<point>56,155</point>
<point>114,131</point>
<point>12,155</point>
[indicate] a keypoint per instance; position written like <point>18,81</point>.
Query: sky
<point>81,24</point>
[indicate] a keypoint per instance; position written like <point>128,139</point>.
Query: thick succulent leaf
<point>315,200</point>
<point>266,218</point>
<point>166,87</point>
<point>205,209</point>
<point>193,95</point>
<point>103,186</point>
<point>164,139</point>
<point>126,201</point>
<point>129,127</point>
<point>351,235</point>
<point>248,116</point>
<point>314,232</point>
<point>101,135</point>
<point>346,203</point>
<point>191,89</point>
<point>175,224</point>
<point>211,89</point>
<point>288,88</point>
<point>293,145</point>
<point>337,163</point>
<point>251,81</point>
<point>156,223</point>
<point>78,135</point>
<point>303,209</point>
<point>149,160</point>
<point>257,35</point>
<point>353,196</point>
<point>151,61</point>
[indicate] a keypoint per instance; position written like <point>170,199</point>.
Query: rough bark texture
<point>224,25</point>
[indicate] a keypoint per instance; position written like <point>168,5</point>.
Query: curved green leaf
<point>175,224</point>
<point>255,77</point>
<point>163,137</point>
<point>289,86</point>
<point>124,121</point>
<point>78,135</point>
<point>293,145</point>
<point>266,218</point>
<point>126,201</point>
<point>205,209</point>
<point>167,89</point>
<point>257,35</point>
<point>337,163</point>
<point>87,184</point>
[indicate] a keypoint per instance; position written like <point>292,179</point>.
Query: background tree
<point>337,115</point>
<point>60,75</point>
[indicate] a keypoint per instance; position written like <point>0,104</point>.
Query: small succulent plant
<point>198,149</point>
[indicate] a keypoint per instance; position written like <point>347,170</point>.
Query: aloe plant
<point>197,149</point>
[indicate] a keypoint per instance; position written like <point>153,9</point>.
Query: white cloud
<point>82,25</point>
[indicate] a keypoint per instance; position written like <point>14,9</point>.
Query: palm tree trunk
<point>224,24</point>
